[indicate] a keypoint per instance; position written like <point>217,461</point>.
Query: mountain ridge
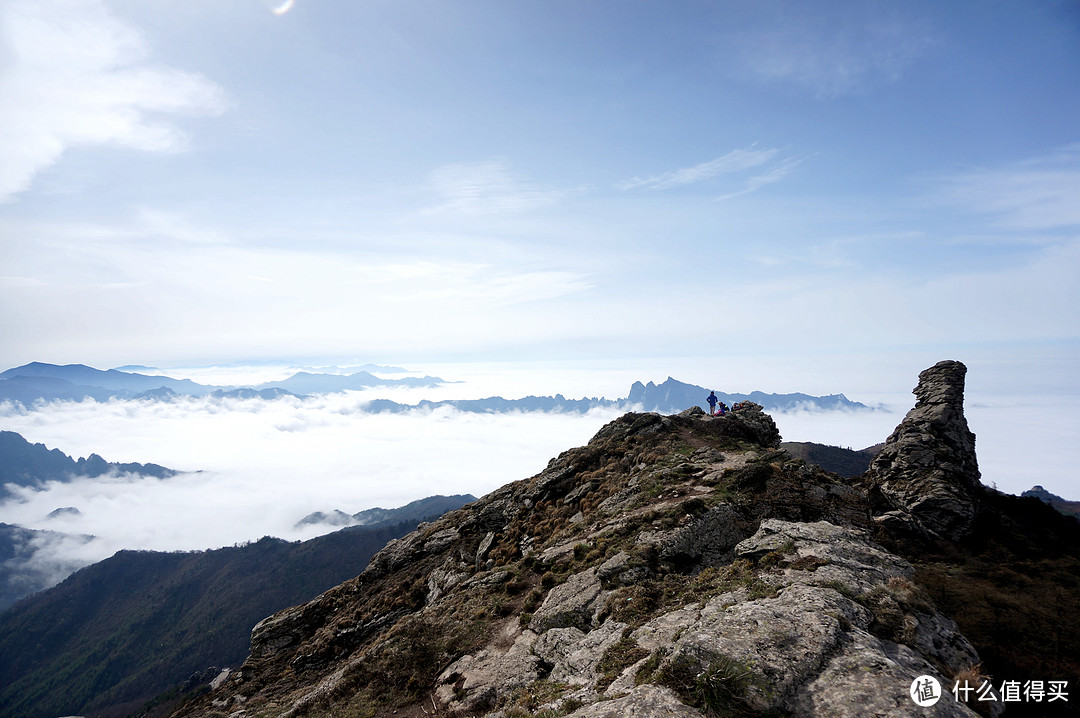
<point>685,565</point>
<point>25,464</point>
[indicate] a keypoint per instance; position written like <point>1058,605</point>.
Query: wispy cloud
<point>830,51</point>
<point>468,283</point>
<point>1041,193</point>
<point>732,162</point>
<point>489,187</point>
<point>769,176</point>
<point>76,75</point>
<point>734,166</point>
<point>114,285</point>
<point>156,224</point>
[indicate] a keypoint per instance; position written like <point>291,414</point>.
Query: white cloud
<point>122,285</point>
<point>482,188</point>
<point>265,465</point>
<point>1033,299</point>
<point>485,285</point>
<point>770,176</point>
<point>829,50</point>
<point>1036,194</point>
<point>734,168</point>
<point>75,75</point>
<point>156,224</point>
<point>733,162</point>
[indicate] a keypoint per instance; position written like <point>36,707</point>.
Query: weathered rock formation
<point>675,566</point>
<point>926,478</point>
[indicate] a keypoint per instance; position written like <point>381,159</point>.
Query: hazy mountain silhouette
<point>38,381</point>
<point>672,396</point>
<point>667,398</point>
<point>119,381</point>
<point>846,462</point>
<point>26,464</point>
<point>1065,506</point>
<point>308,383</point>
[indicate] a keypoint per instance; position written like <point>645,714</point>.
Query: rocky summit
<point>676,565</point>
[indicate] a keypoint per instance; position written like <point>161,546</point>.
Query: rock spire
<point>927,477</point>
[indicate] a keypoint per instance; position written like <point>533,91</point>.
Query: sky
<point>558,196</point>
<point>196,180</point>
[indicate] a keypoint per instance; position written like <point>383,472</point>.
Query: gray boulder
<point>473,682</point>
<point>571,604</point>
<point>646,701</point>
<point>818,646</point>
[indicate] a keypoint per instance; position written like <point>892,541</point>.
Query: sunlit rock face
<point>927,475</point>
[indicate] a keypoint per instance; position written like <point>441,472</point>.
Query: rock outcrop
<point>926,478</point>
<point>674,566</point>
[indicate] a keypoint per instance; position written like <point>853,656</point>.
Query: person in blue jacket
<point>712,403</point>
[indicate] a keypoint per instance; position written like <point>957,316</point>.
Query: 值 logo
<point>925,691</point>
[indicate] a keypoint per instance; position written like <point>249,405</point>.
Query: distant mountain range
<point>673,396</point>
<point>670,397</point>
<point>26,464</point>
<point>125,630</point>
<point>75,382</point>
<point>38,381</point>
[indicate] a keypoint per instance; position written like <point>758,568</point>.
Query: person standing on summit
<point>712,403</point>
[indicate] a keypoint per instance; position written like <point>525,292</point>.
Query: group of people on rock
<point>719,408</point>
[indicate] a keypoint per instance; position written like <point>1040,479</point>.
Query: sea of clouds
<point>256,467</point>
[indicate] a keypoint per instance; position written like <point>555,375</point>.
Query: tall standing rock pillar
<point>927,471</point>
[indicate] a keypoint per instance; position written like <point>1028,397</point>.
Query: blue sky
<point>198,180</point>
